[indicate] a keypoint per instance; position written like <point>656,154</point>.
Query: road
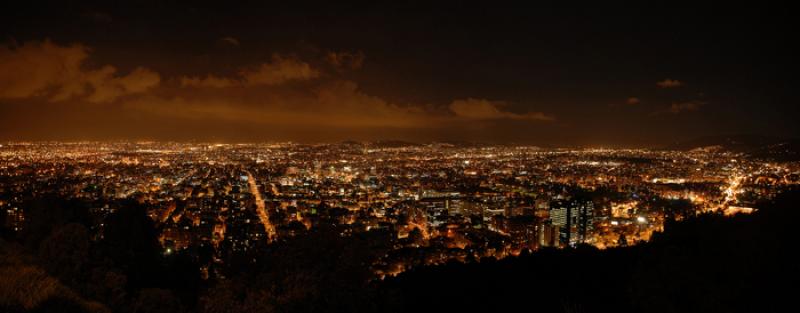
<point>261,209</point>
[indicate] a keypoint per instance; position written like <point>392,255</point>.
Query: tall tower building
<point>574,218</point>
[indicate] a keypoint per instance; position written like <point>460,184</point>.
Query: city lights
<point>241,197</point>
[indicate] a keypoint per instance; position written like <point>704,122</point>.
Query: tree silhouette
<point>65,251</point>
<point>130,241</point>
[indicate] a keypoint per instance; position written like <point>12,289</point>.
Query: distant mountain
<point>351,143</point>
<point>393,144</point>
<point>458,144</point>
<point>782,151</point>
<point>777,148</point>
<point>403,143</point>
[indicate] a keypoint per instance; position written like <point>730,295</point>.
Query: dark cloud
<point>278,71</point>
<point>346,60</point>
<point>209,81</point>
<point>669,83</point>
<point>680,107</point>
<point>230,41</point>
<point>482,109</point>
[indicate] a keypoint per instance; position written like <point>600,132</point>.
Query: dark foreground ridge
<point>708,263</point>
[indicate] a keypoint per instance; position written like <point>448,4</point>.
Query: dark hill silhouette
<point>709,263</point>
<point>759,146</point>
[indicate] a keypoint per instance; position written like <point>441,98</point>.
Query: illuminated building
<point>574,218</point>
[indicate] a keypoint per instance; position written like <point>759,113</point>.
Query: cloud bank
<point>57,73</point>
<point>282,91</point>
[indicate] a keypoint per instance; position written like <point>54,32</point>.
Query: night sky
<point>486,72</point>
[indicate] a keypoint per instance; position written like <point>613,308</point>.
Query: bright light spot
<point>641,219</point>
<point>733,210</point>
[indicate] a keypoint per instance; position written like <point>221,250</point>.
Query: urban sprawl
<point>424,204</point>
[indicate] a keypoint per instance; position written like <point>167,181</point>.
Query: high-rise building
<point>574,219</point>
